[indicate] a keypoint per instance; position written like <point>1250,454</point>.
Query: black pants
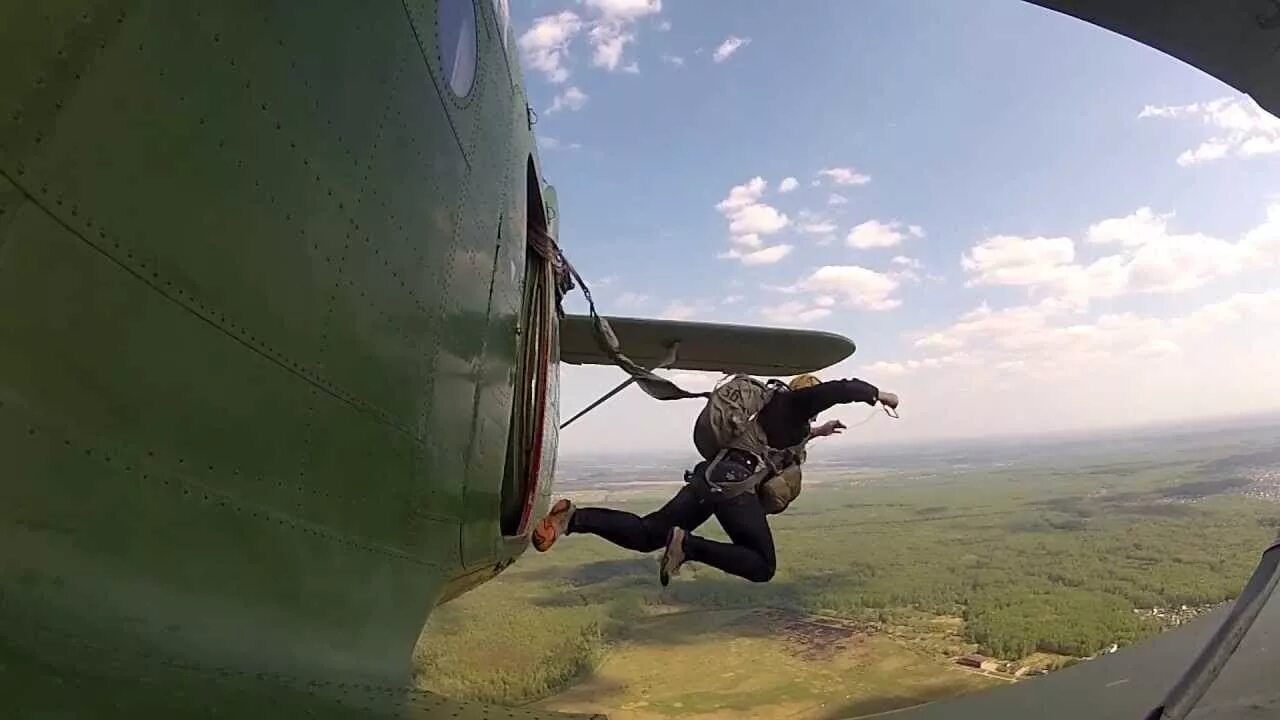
<point>750,555</point>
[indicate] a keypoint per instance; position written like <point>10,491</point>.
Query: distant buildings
<point>979,661</point>
<point>1175,615</point>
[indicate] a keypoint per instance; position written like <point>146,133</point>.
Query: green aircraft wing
<point>706,346</point>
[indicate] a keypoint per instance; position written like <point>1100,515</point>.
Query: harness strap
<point>731,490</point>
<point>654,385</point>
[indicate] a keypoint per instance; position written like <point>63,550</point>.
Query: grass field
<point>884,577</point>
<point>722,663</point>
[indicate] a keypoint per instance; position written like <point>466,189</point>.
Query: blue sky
<point>1021,213</point>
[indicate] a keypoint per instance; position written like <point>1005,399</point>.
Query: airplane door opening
<point>535,325</point>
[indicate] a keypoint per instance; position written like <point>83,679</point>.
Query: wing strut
<point>1192,686</point>
<point>673,351</point>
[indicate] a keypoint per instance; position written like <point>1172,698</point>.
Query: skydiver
<point>786,421</point>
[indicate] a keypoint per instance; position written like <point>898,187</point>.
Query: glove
<point>889,399</point>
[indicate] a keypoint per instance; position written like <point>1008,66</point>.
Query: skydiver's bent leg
<point>642,534</point>
<point>751,554</point>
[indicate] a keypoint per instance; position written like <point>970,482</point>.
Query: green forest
<point>1052,558</point>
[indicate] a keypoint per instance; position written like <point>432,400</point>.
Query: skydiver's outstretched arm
<point>812,401</point>
<point>786,418</point>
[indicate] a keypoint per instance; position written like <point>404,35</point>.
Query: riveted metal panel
<point>109,520</point>
<point>228,238</point>
<point>495,190</point>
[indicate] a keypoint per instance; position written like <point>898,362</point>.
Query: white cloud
<point>679,310</point>
<point>1206,151</point>
<point>757,218</point>
<point>1181,262</point>
<point>763,256</point>
<point>664,26</point>
<point>742,195</point>
<point>1139,228</point>
<point>730,46</point>
<point>1260,246</point>
<point>1041,367</point>
<point>857,286</point>
<point>1239,308</point>
<point>1151,259</point>
<point>1239,124</point>
<point>875,234</point>
<point>732,299</point>
<point>1158,347</point>
<point>546,142</point>
<point>939,341</point>
<point>818,227</point>
<point>675,60</point>
<point>1013,260</point>
<point>882,367</point>
<point>612,30</point>
<point>907,262</point>
<point>609,40</point>
<point>793,312</point>
<point>632,68</point>
<point>632,299</point>
<point>545,46</point>
<point>837,199</point>
<point>1046,340</point>
<point>625,10</point>
<point>845,176</point>
<point>571,99</point>
<point>1260,146</point>
<point>749,219</point>
<point>788,184</point>
<point>1043,343</point>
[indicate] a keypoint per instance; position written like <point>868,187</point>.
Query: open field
<point>722,663</point>
<point>885,576</point>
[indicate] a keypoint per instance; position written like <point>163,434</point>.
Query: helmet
<point>800,382</point>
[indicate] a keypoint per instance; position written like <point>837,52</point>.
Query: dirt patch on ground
<point>809,637</point>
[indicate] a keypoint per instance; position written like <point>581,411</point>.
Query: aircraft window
<point>457,23</point>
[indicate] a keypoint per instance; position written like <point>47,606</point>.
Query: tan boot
<point>672,557</point>
<point>555,524</point>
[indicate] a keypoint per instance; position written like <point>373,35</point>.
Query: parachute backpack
<point>728,422</point>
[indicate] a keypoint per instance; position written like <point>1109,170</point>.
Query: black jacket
<point>785,418</point>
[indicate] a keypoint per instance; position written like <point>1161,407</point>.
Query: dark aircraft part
<point>707,346</point>
<point>1236,41</point>
<point>1208,664</point>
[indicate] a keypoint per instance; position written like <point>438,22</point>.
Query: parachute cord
<point>875,411</point>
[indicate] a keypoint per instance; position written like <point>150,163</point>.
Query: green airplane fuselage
<point>262,278</point>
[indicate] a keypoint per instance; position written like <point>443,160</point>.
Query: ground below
<point>766,662</point>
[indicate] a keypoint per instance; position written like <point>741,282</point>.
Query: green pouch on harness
<point>781,490</point>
